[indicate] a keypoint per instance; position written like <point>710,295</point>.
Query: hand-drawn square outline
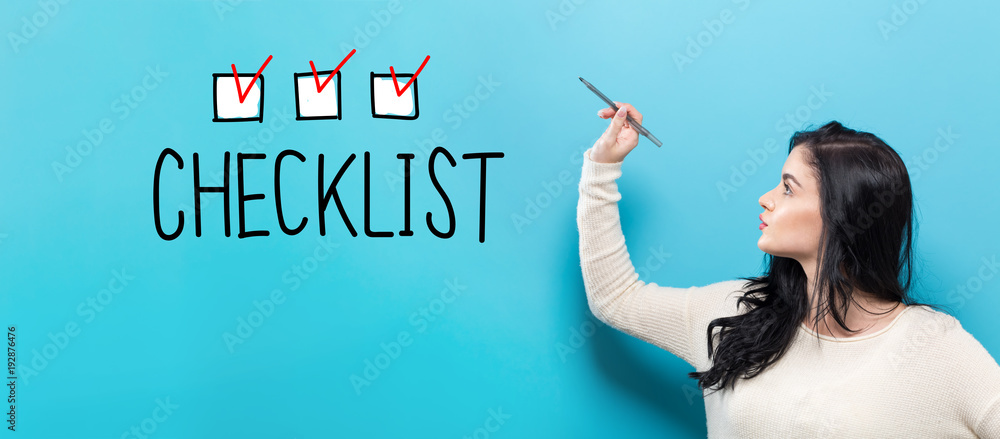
<point>416,105</point>
<point>215,98</point>
<point>298,114</point>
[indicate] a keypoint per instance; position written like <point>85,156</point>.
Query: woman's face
<point>792,211</point>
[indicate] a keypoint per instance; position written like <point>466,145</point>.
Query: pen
<point>635,124</point>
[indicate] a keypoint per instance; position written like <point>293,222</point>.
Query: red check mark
<point>243,95</point>
<point>393,73</point>
<point>319,88</point>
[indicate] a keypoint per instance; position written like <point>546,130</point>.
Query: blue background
<point>511,341</point>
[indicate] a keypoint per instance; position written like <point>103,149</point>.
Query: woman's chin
<point>772,251</point>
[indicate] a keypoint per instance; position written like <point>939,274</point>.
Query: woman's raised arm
<point>675,319</point>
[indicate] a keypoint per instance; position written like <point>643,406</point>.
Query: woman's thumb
<point>616,125</point>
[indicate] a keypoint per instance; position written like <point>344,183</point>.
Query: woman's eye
<point>788,190</point>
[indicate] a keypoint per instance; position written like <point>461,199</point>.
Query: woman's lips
<point>762,223</point>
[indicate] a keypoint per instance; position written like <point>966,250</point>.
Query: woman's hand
<point>620,138</point>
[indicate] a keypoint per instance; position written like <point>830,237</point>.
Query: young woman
<point>828,343</point>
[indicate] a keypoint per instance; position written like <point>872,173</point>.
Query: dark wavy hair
<point>866,244</point>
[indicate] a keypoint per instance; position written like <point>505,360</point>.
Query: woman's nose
<point>764,202</point>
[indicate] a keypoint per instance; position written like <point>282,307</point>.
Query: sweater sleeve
<point>981,372</point>
<point>675,319</point>
<point>989,425</point>
<point>971,375</point>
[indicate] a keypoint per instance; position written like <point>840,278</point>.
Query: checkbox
<point>387,104</point>
<point>226,99</point>
<point>311,104</point>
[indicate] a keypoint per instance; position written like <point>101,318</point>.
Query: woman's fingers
<point>616,142</point>
<point>611,133</point>
<point>631,112</point>
<point>609,112</point>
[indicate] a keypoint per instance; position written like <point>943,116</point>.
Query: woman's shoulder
<point>930,321</point>
<point>944,334</point>
<point>954,361</point>
<point>934,326</point>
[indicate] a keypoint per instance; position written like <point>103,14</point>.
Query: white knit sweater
<point>922,376</point>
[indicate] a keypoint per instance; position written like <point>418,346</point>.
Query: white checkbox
<point>226,99</point>
<point>385,102</point>
<point>312,104</point>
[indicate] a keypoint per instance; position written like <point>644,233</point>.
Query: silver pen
<point>638,128</point>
